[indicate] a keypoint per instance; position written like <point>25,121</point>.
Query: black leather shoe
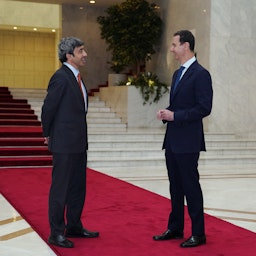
<point>82,233</point>
<point>194,241</point>
<point>60,241</point>
<point>168,234</point>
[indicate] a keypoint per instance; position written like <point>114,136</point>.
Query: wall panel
<point>27,59</point>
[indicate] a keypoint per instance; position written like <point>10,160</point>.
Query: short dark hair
<point>67,46</point>
<point>186,36</point>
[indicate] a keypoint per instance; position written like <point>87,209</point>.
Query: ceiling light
<point>92,2</point>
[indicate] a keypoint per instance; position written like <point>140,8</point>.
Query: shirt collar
<point>74,70</point>
<point>188,63</point>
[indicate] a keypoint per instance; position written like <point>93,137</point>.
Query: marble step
<point>125,144</point>
<point>27,92</point>
<point>96,104</point>
<point>160,172</point>
<point>148,134</point>
<point>228,150</point>
<point>107,125</point>
<point>156,152</point>
<point>96,113</point>
<point>111,145</point>
<point>126,161</point>
<point>103,120</point>
<point>36,94</point>
<point>124,152</point>
<point>98,110</point>
<point>231,143</point>
<point>219,147</point>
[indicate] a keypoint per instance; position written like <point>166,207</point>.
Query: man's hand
<point>46,140</point>
<point>165,114</point>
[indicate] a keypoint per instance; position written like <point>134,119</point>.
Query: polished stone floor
<point>231,197</point>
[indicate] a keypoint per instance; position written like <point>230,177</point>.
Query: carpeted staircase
<point>21,142</point>
<point>113,149</point>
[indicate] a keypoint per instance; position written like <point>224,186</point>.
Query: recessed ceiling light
<point>53,30</point>
<point>35,29</point>
<point>92,2</point>
<point>15,28</point>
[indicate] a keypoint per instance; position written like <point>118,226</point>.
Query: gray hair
<point>67,46</point>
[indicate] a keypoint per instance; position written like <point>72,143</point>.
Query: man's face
<point>177,48</point>
<point>78,58</point>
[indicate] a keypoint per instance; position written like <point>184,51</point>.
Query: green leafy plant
<point>116,66</point>
<point>150,87</point>
<point>131,30</point>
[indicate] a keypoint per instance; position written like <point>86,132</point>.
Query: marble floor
<point>231,197</point>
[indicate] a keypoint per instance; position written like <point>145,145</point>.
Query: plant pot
<point>115,79</point>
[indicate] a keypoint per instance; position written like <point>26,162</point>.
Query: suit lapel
<point>83,84</point>
<point>187,74</point>
<point>75,86</point>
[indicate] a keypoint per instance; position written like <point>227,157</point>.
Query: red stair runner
<point>21,141</point>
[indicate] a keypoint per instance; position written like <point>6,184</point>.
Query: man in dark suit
<point>190,101</point>
<point>65,131</point>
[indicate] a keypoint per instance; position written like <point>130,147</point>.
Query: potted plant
<point>150,87</point>
<point>117,65</point>
<point>132,31</point>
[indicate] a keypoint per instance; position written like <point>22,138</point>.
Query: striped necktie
<point>80,83</point>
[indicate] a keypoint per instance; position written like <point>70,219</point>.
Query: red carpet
<point>21,139</point>
<point>126,216</point>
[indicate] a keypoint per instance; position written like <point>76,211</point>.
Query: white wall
<point>225,45</point>
<point>29,14</point>
<point>233,65</point>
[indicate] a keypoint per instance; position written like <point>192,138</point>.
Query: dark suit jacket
<point>63,114</point>
<point>191,102</point>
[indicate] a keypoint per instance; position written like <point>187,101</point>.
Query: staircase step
<point>28,92</point>
<point>228,150</point>
<point>95,162</point>
<point>4,89</point>
<point>14,105</point>
<point>98,110</point>
<point>124,152</point>
<point>102,126</point>
<point>126,144</point>
<point>112,147</point>
<point>103,120</point>
<point>97,104</point>
<point>24,151</point>
<point>26,161</point>
<point>226,160</point>
<point>127,161</point>
<point>100,115</point>
<point>20,131</point>
<point>11,100</point>
<point>147,173</point>
<point>21,141</point>
<point>16,111</point>
<point>15,116</point>
<point>19,122</point>
<point>4,97</point>
<point>231,143</point>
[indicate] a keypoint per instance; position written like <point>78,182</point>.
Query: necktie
<point>178,78</point>
<point>80,83</point>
